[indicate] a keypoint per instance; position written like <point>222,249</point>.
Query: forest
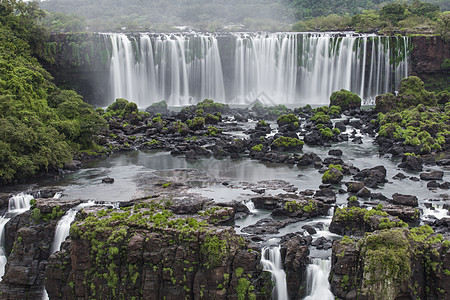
<point>43,126</point>
<point>219,15</point>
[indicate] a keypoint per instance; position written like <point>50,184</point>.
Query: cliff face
<point>147,252</point>
<point>29,238</point>
<point>80,62</point>
<point>427,56</point>
<point>393,264</point>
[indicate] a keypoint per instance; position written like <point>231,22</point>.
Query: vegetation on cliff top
<point>42,126</point>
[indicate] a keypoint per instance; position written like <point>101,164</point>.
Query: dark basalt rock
<point>372,177</point>
<point>412,163</point>
<point>433,185</point>
<point>295,251</point>
<point>405,213</point>
<point>399,176</point>
<point>360,267</point>
<point>354,187</point>
<point>434,175</point>
<point>268,202</point>
<point>408,200</point>
<point>308,159</point>
<point>28,255</point>
<point>108,180</point>
<point>363,193</point>
<point>267,226</point>
<point>341,126</point>
<point>335,152</point>
<point>313,138</point>
<point>309,229</point>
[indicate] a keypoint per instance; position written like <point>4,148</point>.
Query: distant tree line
<point>416,17</point>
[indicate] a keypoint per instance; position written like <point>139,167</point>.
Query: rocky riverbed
<point>196,231</point>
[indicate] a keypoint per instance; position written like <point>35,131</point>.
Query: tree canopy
<point>41,126</point>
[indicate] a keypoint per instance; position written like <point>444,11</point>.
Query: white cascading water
<point>63,229</point>
<point>250,205</point>
<point>276,68</point>
<point>318,287</point>
<point>63,226</point>
<point>271,261</point>
<point>3,221</point>
<point>176,68</point>
<point>17,205</point>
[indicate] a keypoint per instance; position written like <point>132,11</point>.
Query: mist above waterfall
<point>160,14</point>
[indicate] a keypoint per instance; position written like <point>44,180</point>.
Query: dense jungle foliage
<point>273,15</point>
<point>41,126</point>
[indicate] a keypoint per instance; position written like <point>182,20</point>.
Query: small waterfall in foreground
<point>250,205</point>
<point>271,261</point>
<point>63,226</point>
<point>18,204</point>
<point>275,68</point>
<point>3,221</point>
<point>63,229</point>
<point>318,287</point>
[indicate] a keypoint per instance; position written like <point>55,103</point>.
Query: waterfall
<point>63,226</point>
<point>250,205</point>
<point>318,287</point>
<point>271,261</point>
<point>3,221</point>
<point>62,229</point>
<point>275,68</point>
<point>176,68</point>
<point>19,203</point>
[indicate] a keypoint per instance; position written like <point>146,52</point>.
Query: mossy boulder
<point>333,175</point>
<point>345,100</point>
<point>385,103</point>
<point>158,107</point>
<point>412,92</point>
<point>358,221</point>
<point>284,143</point>
<point>288,119</point>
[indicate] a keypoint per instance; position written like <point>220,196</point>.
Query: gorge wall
<point>427,61</point>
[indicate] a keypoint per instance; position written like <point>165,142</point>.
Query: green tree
<point>393,12</point>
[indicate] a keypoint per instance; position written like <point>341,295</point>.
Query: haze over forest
<point>207,15</point>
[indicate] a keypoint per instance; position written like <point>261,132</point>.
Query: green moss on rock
<point>345,100</point>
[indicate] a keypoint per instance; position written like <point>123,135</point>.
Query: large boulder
<point>372,177</point>
<point>408,200</point>
<point>345,100</point>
